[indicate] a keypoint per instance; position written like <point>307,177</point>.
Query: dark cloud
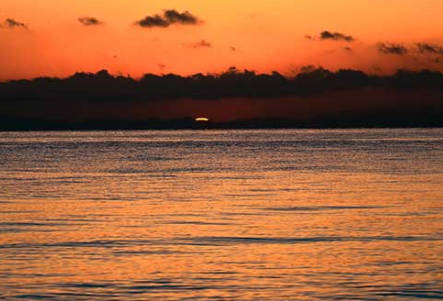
<point>168,18</point>
<point>89,21</point>
<point>349,49</point>
<point>391,48</point>
<point>201,44</point>
<point>335,36</point>
<point>233,49</point>
<point>11,23</point>
<point>309,38</point>
<point>153,21</point>
<point>425,48</point>
<point>186,18</point>
<point>311,80</point>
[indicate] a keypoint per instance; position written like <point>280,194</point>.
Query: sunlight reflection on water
<point>222,215</point>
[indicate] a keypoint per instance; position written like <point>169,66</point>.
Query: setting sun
<point>202,119</point>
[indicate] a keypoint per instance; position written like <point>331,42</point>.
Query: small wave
<point>220,241</point>
<point>323,208</point>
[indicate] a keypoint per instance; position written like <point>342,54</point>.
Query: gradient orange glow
<point>260,35</point>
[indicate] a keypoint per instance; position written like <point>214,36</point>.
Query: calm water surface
<point>222,215</point>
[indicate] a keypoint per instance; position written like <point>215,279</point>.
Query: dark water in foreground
<point>222,215</point>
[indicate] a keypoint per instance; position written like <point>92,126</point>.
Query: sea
<point>343,214</point>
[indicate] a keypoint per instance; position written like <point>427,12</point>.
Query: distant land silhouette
<point>314,98</point>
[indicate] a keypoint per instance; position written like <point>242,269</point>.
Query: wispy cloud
<point>335,36</point>
<point>89,21</point>
<point>391,48</point>
<point>11,23</point>
<point>200,44</point>
<point>426,48</point>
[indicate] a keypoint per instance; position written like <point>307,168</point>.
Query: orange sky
<point>267,35</point>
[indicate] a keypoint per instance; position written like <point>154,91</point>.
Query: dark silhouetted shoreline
<point>315,98</point>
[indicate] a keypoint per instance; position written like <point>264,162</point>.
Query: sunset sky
<point>46,37</point>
